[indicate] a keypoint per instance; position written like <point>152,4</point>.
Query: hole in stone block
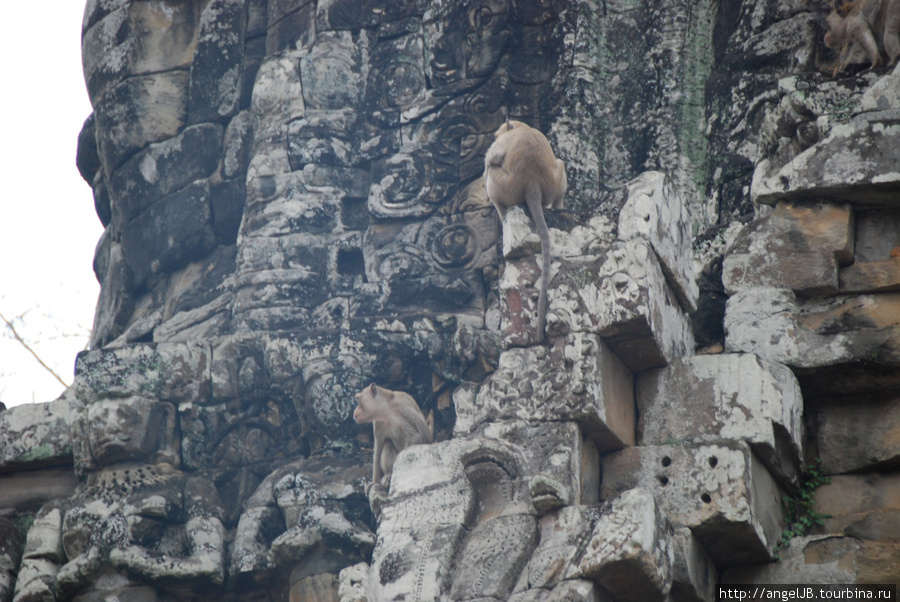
<point>706,498</point>
<point>713,461</point>
<point>350,262</point>
<point>663,480</point>
<point>354,213</point>
<point>666,461</point>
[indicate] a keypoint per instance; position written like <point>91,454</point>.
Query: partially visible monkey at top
<point>873,24</point>
<point>397,423</point>
<point>520,167</point>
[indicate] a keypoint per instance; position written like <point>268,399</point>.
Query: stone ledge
<point>579,379</point>
<point>737,397</point>
<point>823,337</point>
<point>799,246</point>
<point>720,491</point>
<point>825,559</point>
<point>177,372</point>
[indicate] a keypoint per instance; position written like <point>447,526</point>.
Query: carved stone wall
<point>293,204</point>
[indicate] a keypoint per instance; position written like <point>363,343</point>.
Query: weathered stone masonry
<point>293,208</point>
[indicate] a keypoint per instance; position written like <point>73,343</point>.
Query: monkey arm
<point>379,431</point>
<point>861,32</point>
<point>417,430</point>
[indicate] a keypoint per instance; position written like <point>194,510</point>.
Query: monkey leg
<point>562,184</point>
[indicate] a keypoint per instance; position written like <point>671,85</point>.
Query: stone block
<point>237,367</point>
<point>858,433</point>
<point>824,559</point>
<point>277,96</point>
<point>10,554</point>
<point>856,162</point>
<point>176,372</point>
<point>283,272</point>
<point>656,212</point>
<point>446,503</point>
<point>230,435</point>
<point>138,111</point>
<point>555,459</point>
<point>490,560</point>
<point>36,580</point>
<point>332,72</point>
<point>45,535</point>
<point>296,30</point>
<point>630,551</point>
<point>739,397</point>
<point>116,302</point>
<point>565,534</point>
<point>136,39</point>
<point>216,69</point>
<point>877,234</point>
<point>864,506</point>
<point>694,574</point>
<point>292,209</point>
<point>320,587</point>
<point>236,145</point>
<point>798,246</point>
<point>520,237</point>
<point>25,488</point>
<point>37,435</point>
<point>249,551</point>
<point>414,562</point>
<point>170,234</point>
<point>839,346</point>
<point>86,158</point>
<point>433,264</point>
<point>411,183</point>
<point>621,294</point>
<point>871,276</point>
<point>354,583</point>
<point>578,379</point>
<point>876,266</point>
<point>720,491</point>
<point>164,168</point>
<point>573,590</point>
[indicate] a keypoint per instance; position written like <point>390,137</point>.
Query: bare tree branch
<point>22,342</point>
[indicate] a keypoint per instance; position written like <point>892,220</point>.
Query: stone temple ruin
<point>293,208</point>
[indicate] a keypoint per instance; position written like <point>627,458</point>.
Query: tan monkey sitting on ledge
<point>520,167</point>
<point>397,423</point>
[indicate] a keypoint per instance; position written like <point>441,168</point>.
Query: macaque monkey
<point>873,24</point>
<point>397,423</point>
<point>520,167</point>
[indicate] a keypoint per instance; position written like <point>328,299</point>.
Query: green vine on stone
<point>800,515</point>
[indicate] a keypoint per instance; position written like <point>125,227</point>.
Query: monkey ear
<point>373,389</point>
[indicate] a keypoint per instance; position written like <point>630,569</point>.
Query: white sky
<point>48,227</point>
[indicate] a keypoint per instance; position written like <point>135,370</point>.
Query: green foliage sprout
<point>800,515</point>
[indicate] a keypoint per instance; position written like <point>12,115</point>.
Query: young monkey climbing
<point>520,167</point>
<point>397,423</point>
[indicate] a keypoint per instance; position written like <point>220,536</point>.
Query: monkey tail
<point>533,196</point>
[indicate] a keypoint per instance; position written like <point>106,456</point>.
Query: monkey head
<point>366,404</point>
